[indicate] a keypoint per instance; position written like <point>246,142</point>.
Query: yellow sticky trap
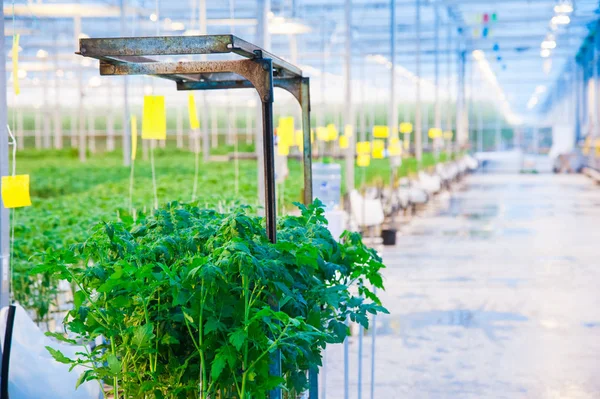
<point>597,147</point>
<point>363,147</point>
<point>395,149</point>
<point>434,133</point>
<point>133,137</point>
<point>363,160</point>
<point>448,135</point>
<point>348,130</point>
<point>15,64</point>
<point>406,128</point>
<point>322,133</point>
<point>381,132</point>
<point>378,145</point>
<point>299,138</point>
<point>15,191</point>
<point>312,136</point>
<point>154,120</point>
<point>378,153</point>
<point>344,142</point>
<point>283,149</point>
<point>194,122</point>
<point>332,132</point>
<point>285,130</point>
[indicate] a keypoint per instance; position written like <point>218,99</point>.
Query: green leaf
<point>87,375</point>
<point>60,337</point>
<point>237,338</point>
<point>78,298</point>
<point>218,365</point>
<point>58,356</point>
<point>213,324</point>
<point>143,335</point>
<point>114,364</point>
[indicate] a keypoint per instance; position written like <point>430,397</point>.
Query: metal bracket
<point>255,71</point>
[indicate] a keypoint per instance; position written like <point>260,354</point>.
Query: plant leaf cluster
<point>192,303</point>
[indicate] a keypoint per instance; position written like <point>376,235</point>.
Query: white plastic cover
<point>33,373</point>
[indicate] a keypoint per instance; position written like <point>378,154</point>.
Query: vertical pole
<point>307,153</point>
<point>46,112</point>
<point>126,139</point>
<point>262,40</point>
<point>449,87</point>
<point>57,109</point>
<point>418,122</point>
<point>438,110</point>
<point>322,114</point>
<point>480,83</point>
<point>270,198</point>
<point>249,106</point>
<point>38,128</point>
<point>214,127</point>
<point>179,127</point>
<point>20,130</point>
<point>349,106</point>
<point>203,29</point>
<point>4,151</point>
<point>373,341</point>
<point>110,118</point>
<point>349,153</point>
<point>460,100</point>
<point>392,106</point>
<point>313,374</point>
<point>81,141</point>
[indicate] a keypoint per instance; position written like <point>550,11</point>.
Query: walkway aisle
<point>493,294</point>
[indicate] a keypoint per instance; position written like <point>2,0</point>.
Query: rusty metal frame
<point>259,70</point>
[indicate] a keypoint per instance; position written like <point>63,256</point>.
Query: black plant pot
<point>389,237</point>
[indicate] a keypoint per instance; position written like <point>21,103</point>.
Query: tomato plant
<point>191,302</point>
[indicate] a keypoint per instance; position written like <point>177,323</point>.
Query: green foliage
<point>192,302</point>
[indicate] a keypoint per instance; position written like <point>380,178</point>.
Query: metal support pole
<point>126,139</point>
<point>58,142</point>
<point>349,106</point>
<point>449,87</point>
<point>418,122</point>
<point>81,141</point>
<point>262,40</point>
<point>270,200</point>
<point>437,111</point>
<point>392,107</point>
<point>179,127</point>
<point>307,148</point>
<point>4,151</point>
<point>460,101</point>
<point>46,111</point>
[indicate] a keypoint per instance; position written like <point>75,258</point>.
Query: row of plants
<point>69,196</point>
<point>191,303</point>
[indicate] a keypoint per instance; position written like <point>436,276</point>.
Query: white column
<point>349,106</point>
<point>4,171</point>
<point>418,121</point>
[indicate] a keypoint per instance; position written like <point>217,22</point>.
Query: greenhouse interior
<point>316,199</point>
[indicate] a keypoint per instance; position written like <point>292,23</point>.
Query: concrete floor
<point>494,292</point>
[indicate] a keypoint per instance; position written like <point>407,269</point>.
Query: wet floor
<point>494,292</point>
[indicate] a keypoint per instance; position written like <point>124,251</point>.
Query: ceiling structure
<point>520,46</point>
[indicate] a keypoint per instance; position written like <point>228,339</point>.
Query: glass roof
<point>527,44</point>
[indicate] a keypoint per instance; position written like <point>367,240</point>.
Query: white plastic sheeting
<point>33,373</point>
